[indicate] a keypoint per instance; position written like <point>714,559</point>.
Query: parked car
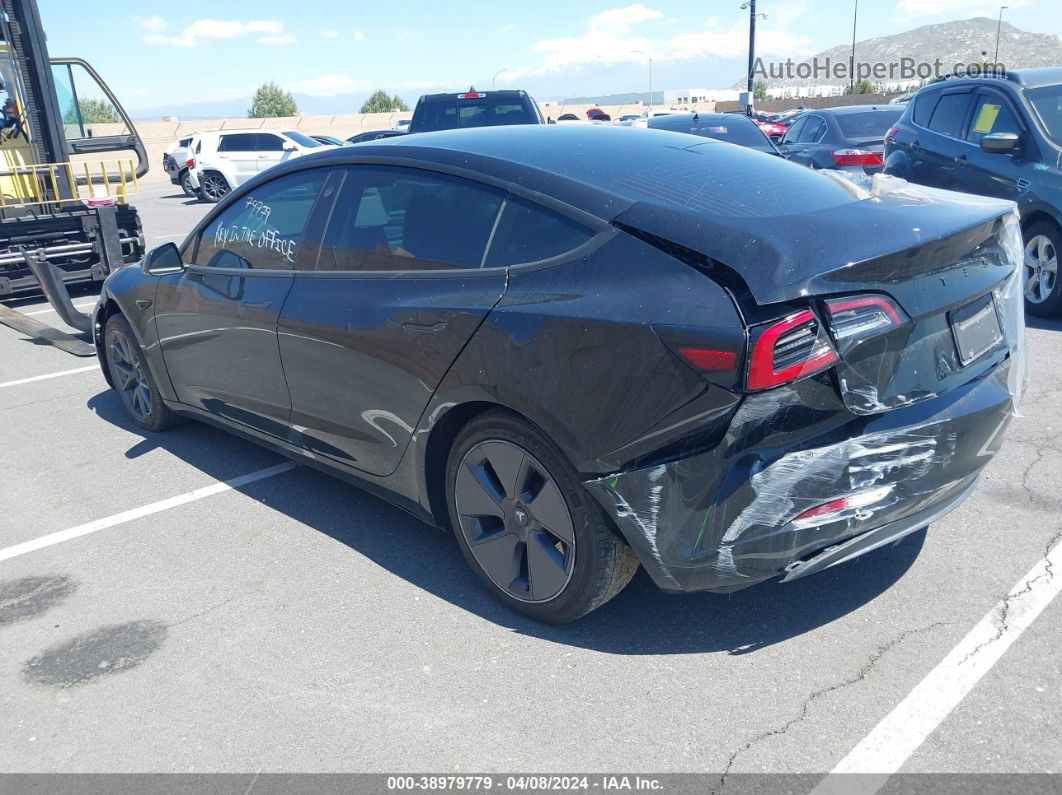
<point>329,140</point>
<point>373,135</point>
<point>225,159</point>
<point>734,128</point>
<point>474,109</point>
<point>995,137</point>
<point>402,125</point>
<point>850,138</point>
<point>579,367</point>
<point>174,163</point>
<point>772,129</point>
<point>626,118</point>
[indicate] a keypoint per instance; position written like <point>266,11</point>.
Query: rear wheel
<point>132,380</point>
<point>186,184</point>
<point>213,187</point>
<point>527,527</point>
<point>1040,274</point>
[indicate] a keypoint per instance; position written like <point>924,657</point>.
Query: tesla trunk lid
<point>952,267</point>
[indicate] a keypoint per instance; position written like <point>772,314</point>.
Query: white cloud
<point>359,36</point>
<point>327,85</point>
<point>203,31</point>
<point>153,24</point>
<point>508,27</point>
<point>908,10</point>
<point>330,34</point>
<point>418,85</point>
<point>613,35</point>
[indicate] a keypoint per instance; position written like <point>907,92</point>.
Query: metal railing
<point>66,183</point>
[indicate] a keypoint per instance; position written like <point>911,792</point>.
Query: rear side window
<point>184,142</point>
<point>400,219</point>
<point>794,130</point>
<point>528,232</point>
<point>238,142</point>
<point>812,131</point>
<point>263,229</point>
<point>923,108</point>
<point>991,115</point>
<point>949,115</point>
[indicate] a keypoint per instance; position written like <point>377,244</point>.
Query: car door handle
<point>262,305</point>
<point>432,328</point>
<point>263,155</point>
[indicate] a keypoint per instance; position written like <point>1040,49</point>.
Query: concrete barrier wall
<point>160,135</point>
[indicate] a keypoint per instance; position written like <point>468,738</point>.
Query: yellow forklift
<point>64,214</point>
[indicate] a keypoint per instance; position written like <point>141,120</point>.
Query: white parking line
<point>136,513</point>
<point>95,367</point>
<point>51,309</point>
<point>884,751</point>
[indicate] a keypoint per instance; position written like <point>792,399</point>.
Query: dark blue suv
<point>994,136</point>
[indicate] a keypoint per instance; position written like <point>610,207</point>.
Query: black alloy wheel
<point>525,524</point>
<point>131,379</point>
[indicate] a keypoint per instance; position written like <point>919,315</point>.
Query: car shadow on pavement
<point>640,620</point>
<point>1043,323</point>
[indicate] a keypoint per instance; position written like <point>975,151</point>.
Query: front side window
<point>302,140</point>
<point>528,232</point>
<point>398,219</point>
<point>794,130</point>
<point>950,114</point>
<point>991,115</point>
<point>812,131</point>
<point>263,229</point>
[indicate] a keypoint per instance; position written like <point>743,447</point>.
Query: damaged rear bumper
<point>730,517</point>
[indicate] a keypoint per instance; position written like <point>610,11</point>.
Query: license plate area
<point>976,328</point>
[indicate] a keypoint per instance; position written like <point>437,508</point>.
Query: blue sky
<point>201,51</point>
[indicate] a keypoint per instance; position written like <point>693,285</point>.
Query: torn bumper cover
<point>729,518</point>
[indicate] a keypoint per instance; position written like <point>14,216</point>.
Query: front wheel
<point>132,380</point>
<point>527,527</point>
<point>1043,289</point>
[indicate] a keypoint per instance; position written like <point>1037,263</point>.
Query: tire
<point>213,187</point>
<point>186,184</point>
<point>1040,270</point>
<point>530,532</point>
<point>132,380</point>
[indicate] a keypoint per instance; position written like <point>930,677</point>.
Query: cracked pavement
<point>298,624</point>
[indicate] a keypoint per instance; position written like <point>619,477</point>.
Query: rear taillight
<point>789,349</point>
<point>851,506</point>
<point>856,157</point>
<point>708,360</point>
<point>190,163</point>
<point>862,316</point>
<point>891,133</point>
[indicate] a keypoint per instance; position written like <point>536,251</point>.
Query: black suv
<point>474,109</point>
<point>994,136</point>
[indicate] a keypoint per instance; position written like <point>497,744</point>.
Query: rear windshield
<point>1047,102</point>
<point>300,139</point>
<point>452,113</point>
<point>871,124</point>
<point>736,131</point>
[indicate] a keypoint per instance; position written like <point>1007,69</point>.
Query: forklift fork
<point>50,279</point>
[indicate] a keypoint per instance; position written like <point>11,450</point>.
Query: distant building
<point>693,96</point>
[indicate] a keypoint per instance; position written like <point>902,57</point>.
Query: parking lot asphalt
<point>293,623</point>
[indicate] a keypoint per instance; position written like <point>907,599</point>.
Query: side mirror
<point>289,146</point>
<point>1002,143</point>
<point>164,258</point>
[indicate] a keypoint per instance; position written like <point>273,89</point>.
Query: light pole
<point>751,6</point>
<point>494,80</point>
<point>999,26</point>
<point>851,60</point>
<point>650,58</point>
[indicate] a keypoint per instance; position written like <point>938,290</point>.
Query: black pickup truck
<point>474,109</point>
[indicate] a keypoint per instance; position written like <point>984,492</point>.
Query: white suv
<point>221,160</point>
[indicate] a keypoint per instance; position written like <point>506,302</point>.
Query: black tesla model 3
<point>582,349</point>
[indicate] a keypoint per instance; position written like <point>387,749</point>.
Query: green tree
<point>861,87</point>
<point>271,101</point>
<point>93,111</point>
<point>759,91</point>
<point>382,102</point>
